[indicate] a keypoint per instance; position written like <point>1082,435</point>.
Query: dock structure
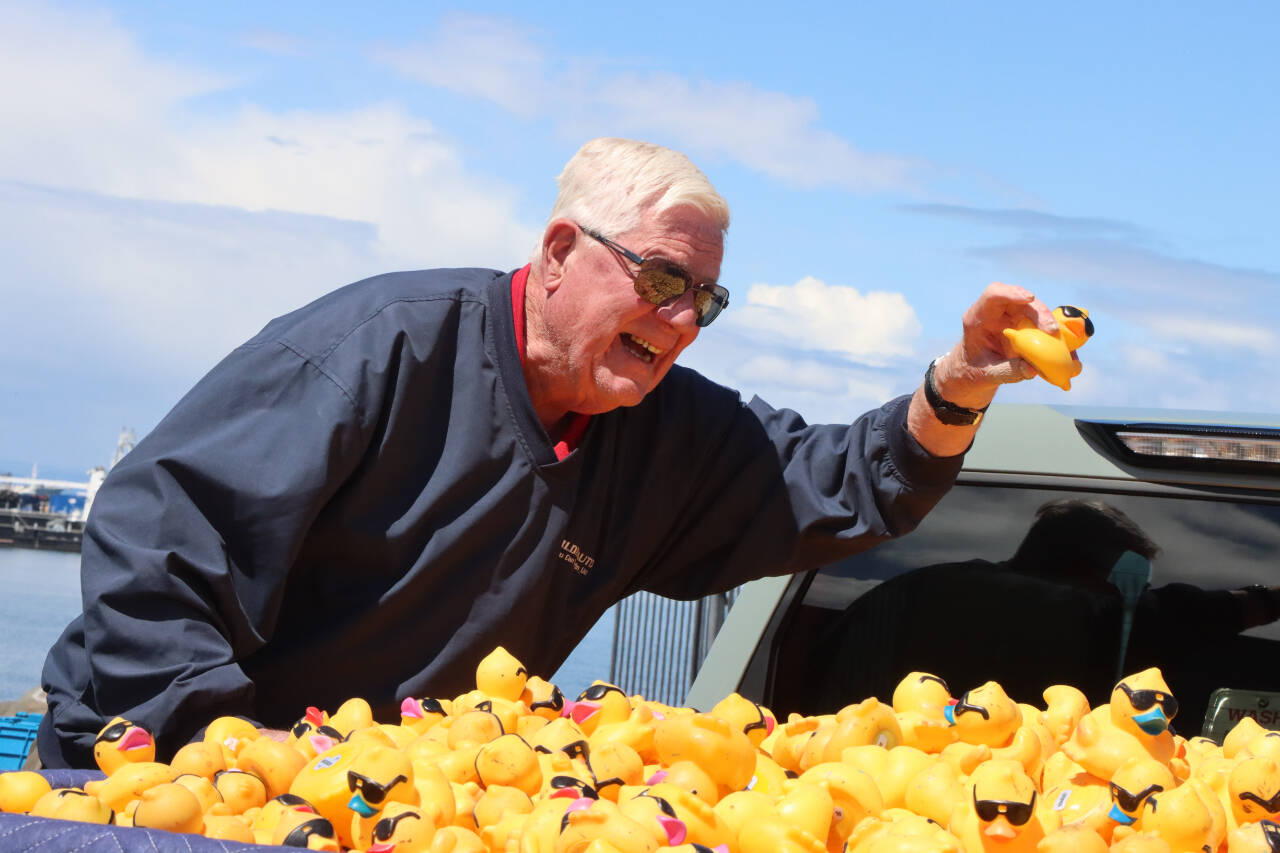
<point>39,512</point>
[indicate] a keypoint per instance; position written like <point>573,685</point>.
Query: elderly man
<point>382,486</point>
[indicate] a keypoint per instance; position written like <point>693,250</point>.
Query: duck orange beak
<point>1074,334</point>
<point>1000,829</point>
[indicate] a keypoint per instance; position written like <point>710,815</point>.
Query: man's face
<point>611,347</point>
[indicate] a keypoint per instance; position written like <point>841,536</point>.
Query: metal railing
<point>659,643</point>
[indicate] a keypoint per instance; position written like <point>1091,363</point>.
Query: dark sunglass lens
<point>1130,802</point>
<point>114,732</point>
<point>710,300</point>
<point>1144,700</point>
<point>372,792</point>
<point>1018,813</point>
<point>659,281</point>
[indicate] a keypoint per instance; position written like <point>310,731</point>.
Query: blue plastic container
<point>17,734</point>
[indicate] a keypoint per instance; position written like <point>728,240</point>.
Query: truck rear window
<point>951,599</point>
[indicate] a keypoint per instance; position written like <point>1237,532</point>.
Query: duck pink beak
<point>135,738</point>
<point>675,829</point>
<point>583,711</point>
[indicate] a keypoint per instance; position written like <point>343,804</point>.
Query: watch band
<point>948,413</point>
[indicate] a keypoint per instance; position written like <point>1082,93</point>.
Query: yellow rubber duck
<point>509,760</point>
<point>724,752</point>
<point>1188,817</point>
<point>1260,837</point>
<point>1134,723</point>
<point>1254,791</point>
<point>121,742</point>
<point>72,804</point>
<point>920,702</point>
<point>355,779</point>
<point>1053,355</point>
<point>171,807</point>
<point>501,676</point>
<point>999,812</point>
<point>900,831</point>
<point>21,789</point>
<point>753,720</point>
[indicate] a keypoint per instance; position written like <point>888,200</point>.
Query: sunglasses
<point>660,281</point>
<point>372,792</point>
<point>1271,834</point>
<point>113,733</point>
<point>963,705</point>
<point>1130,802</point>
<point>1145,700</point>
<point>385,828</point>
<point>596,692</point>
<point>319,827</point>
<point>1016,813</point>
<point>1271,806</point>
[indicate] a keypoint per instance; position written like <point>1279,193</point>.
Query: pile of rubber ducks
<point>516,767</point>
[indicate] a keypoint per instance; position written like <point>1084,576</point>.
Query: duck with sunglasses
<point>1135,723</point>
<point>381,487</point>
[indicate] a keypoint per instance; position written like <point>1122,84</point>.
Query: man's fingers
<point>1007,372</point>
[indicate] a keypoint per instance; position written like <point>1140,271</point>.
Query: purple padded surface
<point>43,835</point>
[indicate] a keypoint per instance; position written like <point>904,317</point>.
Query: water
<point>40,594</point>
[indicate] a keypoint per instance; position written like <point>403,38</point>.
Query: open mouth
<point>640,348</point>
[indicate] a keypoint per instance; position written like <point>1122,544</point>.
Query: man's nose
<point>681,311</point>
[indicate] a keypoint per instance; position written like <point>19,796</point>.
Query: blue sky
<point>174,175</point>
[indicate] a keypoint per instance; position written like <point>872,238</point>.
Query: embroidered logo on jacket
<point>577,560</point>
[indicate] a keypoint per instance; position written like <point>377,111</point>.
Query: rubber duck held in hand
<point>1054,355</point>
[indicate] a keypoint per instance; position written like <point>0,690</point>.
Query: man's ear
<point>558,241</point>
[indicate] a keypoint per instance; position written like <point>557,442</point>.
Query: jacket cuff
<point>919,468</point>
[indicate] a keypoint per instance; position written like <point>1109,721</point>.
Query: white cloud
<point>109,119</point>
<point>870,328</point>
<point>477,55</point>
<point>377,165</point>
<point>1122,267</point>
<point>802,375</point>
<point>1193,332</point>
<point>159,288</point>
<point>143,240</point>
<point>774,133</point>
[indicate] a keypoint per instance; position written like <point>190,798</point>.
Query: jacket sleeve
<point>189,545</point>
<point>778,495</point>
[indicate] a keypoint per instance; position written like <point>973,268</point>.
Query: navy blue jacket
<point>361,501</point>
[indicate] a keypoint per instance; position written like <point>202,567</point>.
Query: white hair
<point>611,184</point>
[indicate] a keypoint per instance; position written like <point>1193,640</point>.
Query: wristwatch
<point>1267,596</point>
<point>949,413</point>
